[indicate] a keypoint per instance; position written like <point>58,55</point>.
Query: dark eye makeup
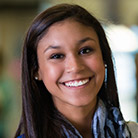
<point>56,56</point>
<point>85,50</point>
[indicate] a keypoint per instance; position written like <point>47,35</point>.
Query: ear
<point>105,63</point>
<point>38,75</point>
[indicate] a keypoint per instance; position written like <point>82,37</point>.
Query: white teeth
<point>76,83</point>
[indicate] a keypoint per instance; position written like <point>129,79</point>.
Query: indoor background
<point>120,21</point>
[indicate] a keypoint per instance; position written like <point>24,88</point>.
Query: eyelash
<point>57,56</point>
<point>83,51</point>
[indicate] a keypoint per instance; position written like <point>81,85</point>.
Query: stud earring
<point>105,78</point>
<point>36,78</point>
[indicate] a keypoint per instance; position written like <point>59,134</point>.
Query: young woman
<point>68,82</point>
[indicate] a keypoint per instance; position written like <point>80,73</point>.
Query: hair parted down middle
<point>39,118</point>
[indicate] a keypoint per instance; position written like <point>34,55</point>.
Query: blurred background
<point>120,21</point>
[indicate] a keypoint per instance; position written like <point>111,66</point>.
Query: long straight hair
<point>39,118</point>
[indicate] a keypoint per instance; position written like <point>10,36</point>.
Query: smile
<point>77,83</point>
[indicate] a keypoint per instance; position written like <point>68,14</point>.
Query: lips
<point>77,83</point>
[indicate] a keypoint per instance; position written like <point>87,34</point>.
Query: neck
<point>80,117</point>
<point>82,122</point>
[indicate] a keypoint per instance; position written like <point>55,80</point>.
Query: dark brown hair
<point>39,118</point>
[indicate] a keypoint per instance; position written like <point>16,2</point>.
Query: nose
<point>74,64</point>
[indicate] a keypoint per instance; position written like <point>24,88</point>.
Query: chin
<point>83,102</point>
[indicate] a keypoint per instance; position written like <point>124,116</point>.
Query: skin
<point>70,52</point>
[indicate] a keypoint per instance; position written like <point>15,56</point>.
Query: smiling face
<point>71,64</point>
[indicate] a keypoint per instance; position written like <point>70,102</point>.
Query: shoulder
<point>133,127</point>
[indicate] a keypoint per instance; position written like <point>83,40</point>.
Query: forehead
<point>68,29</point>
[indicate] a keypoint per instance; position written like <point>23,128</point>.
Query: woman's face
<point>71,64</point>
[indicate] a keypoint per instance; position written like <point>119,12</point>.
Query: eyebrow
<point>84,40</point>
<point>78,43</point>
<point>51,47</point>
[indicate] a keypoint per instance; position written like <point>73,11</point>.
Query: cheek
<point>96,64</point>
<point>50,74</point>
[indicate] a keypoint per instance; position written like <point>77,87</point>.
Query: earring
<point>36,78</point>
<point>105,78</point>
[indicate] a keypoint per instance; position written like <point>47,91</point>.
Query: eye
<point>56,56</point>
<point>85,50</point>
